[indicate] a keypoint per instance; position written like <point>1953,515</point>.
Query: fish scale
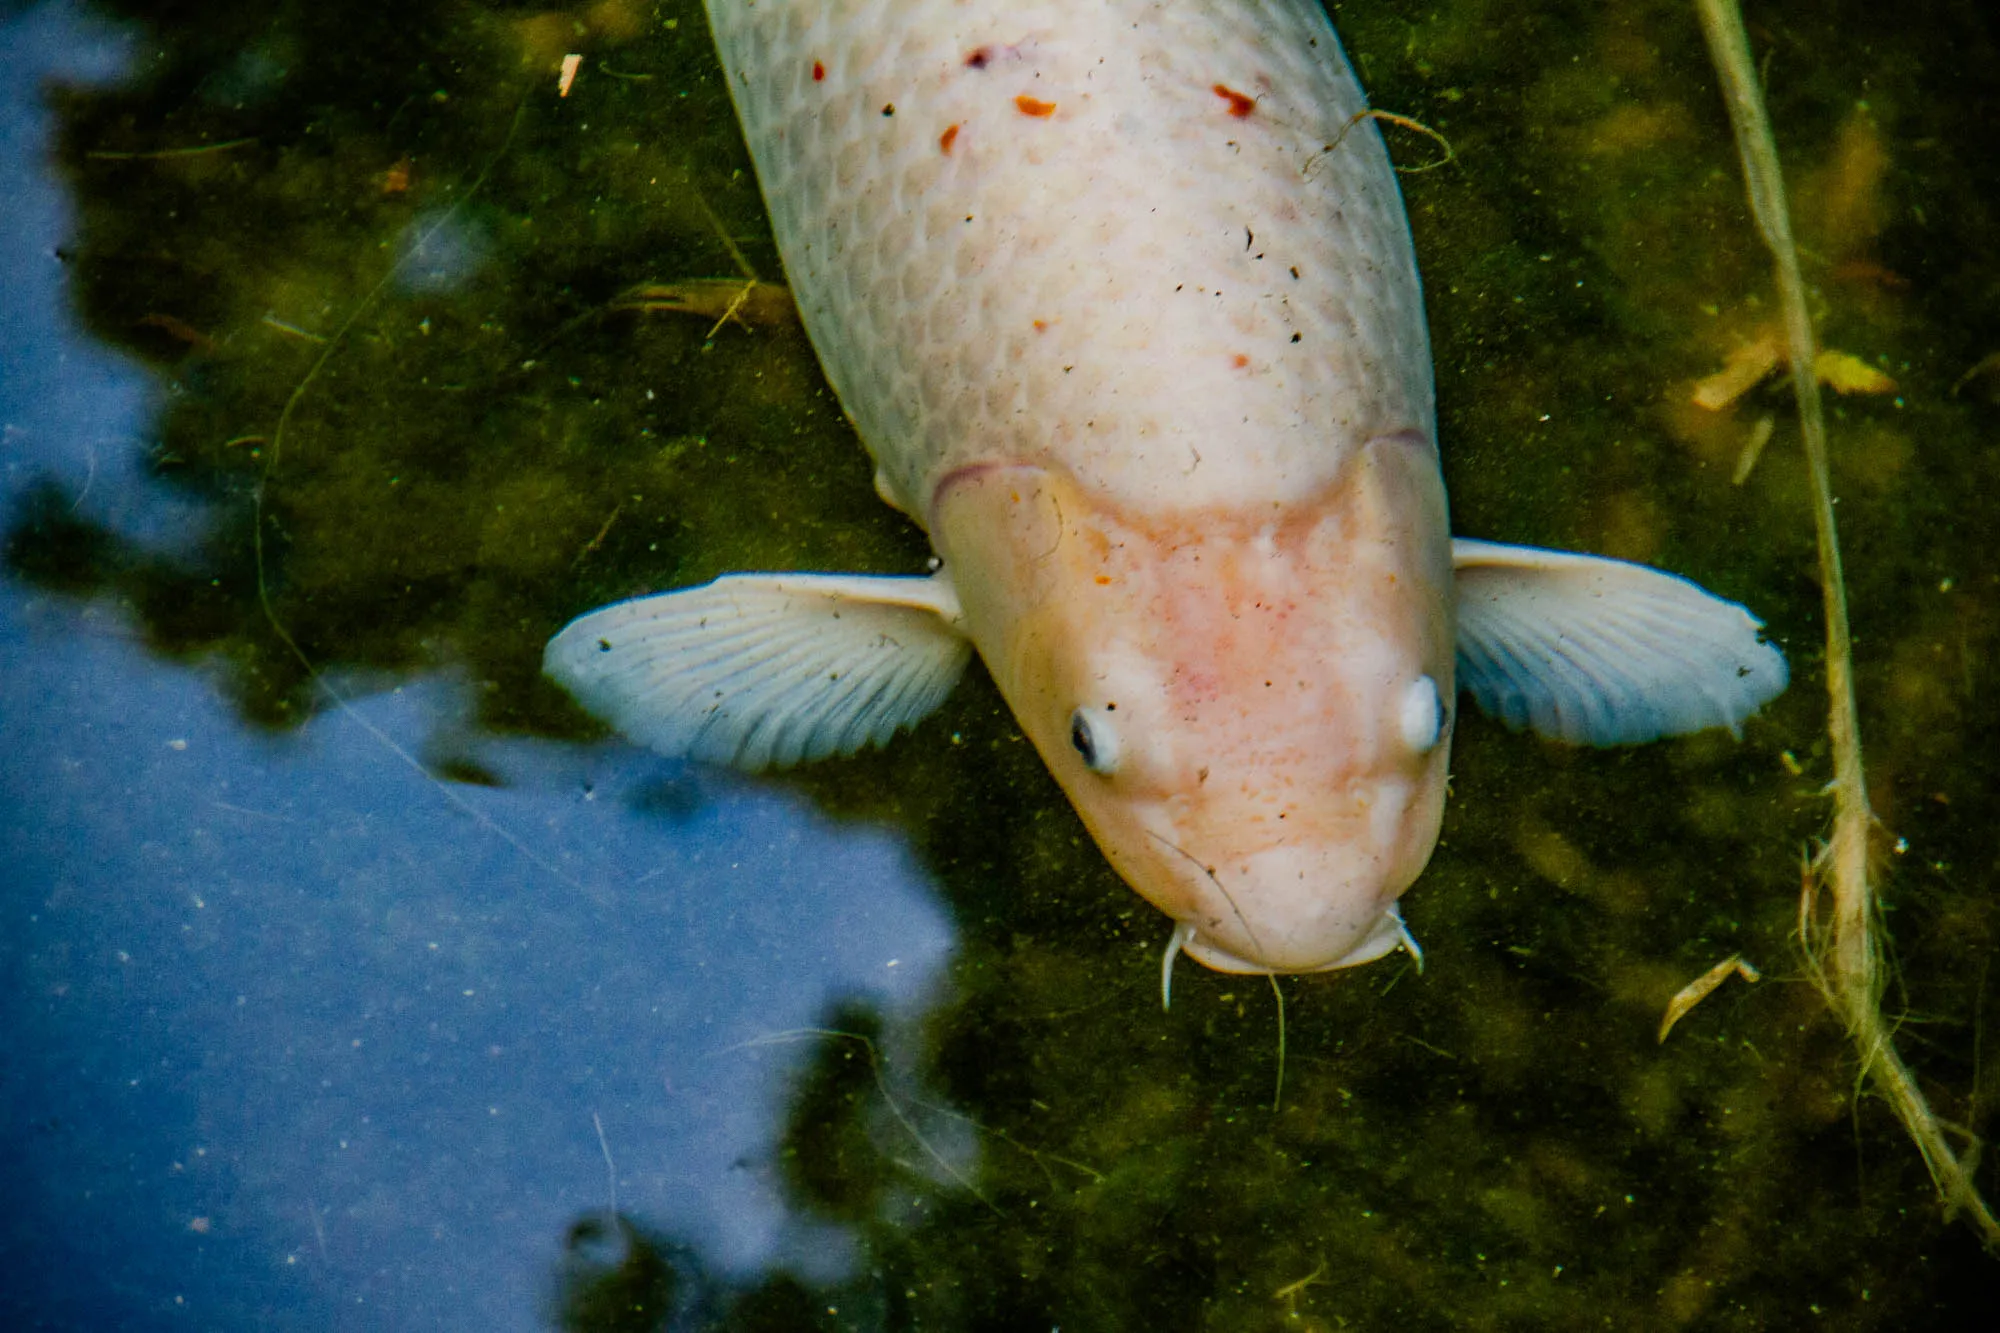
<point>1158,274</point>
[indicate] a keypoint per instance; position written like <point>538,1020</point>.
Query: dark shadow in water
<point>617,1279</point>
<point>486,450</point>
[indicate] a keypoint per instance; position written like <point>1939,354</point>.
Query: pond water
<point>353,978</point>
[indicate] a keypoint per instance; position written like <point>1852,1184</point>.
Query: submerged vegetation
<point>1842,947</point>
<point>493,438</point>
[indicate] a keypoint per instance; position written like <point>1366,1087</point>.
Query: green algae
<point>1500,1142</point>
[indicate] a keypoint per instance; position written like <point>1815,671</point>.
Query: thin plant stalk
<point>1839,936</point>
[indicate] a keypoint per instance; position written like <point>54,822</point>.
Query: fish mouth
<point>1386,936</point>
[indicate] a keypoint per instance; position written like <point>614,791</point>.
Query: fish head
<point>1250,710</point>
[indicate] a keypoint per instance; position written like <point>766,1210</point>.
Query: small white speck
<point>177,745</point>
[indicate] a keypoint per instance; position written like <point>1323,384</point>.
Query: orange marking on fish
<point>1031,106</point>
<point>1240,361</point>
<point>819,72</point>
<point>948,138</point>
<point>1239,105</point>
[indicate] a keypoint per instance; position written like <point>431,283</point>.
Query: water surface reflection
<point>294,1030</point>
<point>301,1037</point>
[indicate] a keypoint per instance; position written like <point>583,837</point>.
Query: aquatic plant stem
<point>1839,940</point>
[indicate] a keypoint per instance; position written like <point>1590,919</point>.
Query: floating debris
<point>179,330</point>
<point>396,180</point>
<point>1692,994</point>
<point>724,300</point>
<point>1753,448</point>
<point>1987,368</point>
<point>290,330</point>
<point>1747,367</point>
<point>1844,372</point>
<point>162,154</point>
<point>1755,361</point>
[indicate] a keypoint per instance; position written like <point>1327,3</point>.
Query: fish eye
<point>1422,716</point>
<point>1094,737</point>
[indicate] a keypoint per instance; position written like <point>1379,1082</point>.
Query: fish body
<point>1082,237</point>
<point>1122,301</point>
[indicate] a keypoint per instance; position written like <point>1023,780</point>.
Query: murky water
<point>353,979</point>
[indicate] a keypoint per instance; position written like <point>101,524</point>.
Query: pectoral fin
<point>760,670</point>
<point>1601,652</point>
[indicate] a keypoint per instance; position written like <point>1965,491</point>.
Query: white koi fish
<point>1121,298</point>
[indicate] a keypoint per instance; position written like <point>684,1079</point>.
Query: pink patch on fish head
<point>1250,711</point>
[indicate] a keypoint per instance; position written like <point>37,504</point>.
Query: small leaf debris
<point>1692,994</point>
<point>1756,360</point>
